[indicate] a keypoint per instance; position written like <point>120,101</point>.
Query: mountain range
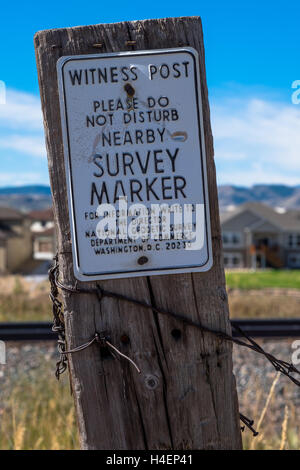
<point>274,195</point>
<point>26,198</point>
<point>36,197</point>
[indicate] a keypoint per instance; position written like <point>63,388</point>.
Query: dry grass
<point>21,300</point>
<point>266,303</point>
<point>284,428</point>
<point>39,414</point>
<point>263,413</point>
<point>278,426</point>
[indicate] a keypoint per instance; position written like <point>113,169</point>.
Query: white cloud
<point>19,179</point>
<point>21,125</point>
<point>29,145</point>
<point>259,140</point>
<point>256,140</point>
<point>21,111</point>
<point>256,174</point>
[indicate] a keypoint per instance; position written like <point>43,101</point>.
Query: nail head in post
<point>176,333</point>
<point>125,339</point>
<point>143,260</point>
<point>151,381</point>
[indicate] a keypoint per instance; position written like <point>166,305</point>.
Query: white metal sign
<point>135,163</point>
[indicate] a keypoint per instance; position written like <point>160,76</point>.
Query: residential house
<point>255,235</point>
<point>15,240</point>
<point>43,234</point>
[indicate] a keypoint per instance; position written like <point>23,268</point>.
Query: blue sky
<point>252,58</point>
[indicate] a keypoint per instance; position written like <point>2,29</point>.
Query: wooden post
<point>185,397</point>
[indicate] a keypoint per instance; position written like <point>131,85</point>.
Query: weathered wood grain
<point>185,397</point>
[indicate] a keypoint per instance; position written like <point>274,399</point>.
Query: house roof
<point>6,213</point>
<point>287,221</point>
<point>6,233</point>
<point>43,215</point>
<point>45,233</point>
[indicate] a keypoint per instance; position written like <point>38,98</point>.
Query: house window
<point>231,238</point>
<point>235,239</point>
<point>45,247</point>
<point>294,240</point>
<point>294,260</point>
<point>233,260</point>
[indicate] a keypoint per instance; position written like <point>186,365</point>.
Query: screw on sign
<point>126,116</point>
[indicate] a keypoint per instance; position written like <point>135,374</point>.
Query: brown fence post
<point>185,396</point>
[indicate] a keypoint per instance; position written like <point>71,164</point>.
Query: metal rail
<point>262,328</point>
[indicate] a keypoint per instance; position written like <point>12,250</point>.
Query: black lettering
<point>135,191</point>
<point>96,105</point>
<point>111,173</point>
<point>102,75</point>
<point>133,73</point>
<point>98,164</point>
<point>93,76</point>
<point>177,75</point>
<point>179,185</point>
<point>143,168</point>
<point>167,71</point>
<point>90,121</point>
<point>157,161</point>
<point>75,76</point>
<point>186,68</point>
<point>165,187</point>
<point>113,75</point>
<point>149,188</point>
<point>152,71</point>
<point>127,164</point>
<point>172,157</point>
<point>125,76</point>
<point>116,196</point>
<point>94,193</point>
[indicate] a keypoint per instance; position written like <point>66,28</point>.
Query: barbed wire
<point>279,365</point>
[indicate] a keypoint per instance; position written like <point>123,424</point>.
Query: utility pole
<point>185,396</point>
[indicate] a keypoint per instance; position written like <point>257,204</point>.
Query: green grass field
<point>264,279</point>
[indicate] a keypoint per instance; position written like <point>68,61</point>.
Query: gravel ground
<point>254,375</point>
<point>25,359</point>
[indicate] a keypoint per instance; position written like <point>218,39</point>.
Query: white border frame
<point>101,276</point>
